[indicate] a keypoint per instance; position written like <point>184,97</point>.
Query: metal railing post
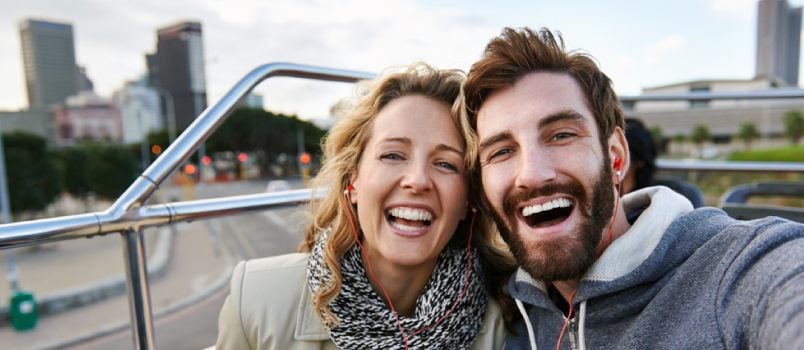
<point>139,296</point>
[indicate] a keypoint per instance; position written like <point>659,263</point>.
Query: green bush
<point>33,182</point>
<point>785,154</point>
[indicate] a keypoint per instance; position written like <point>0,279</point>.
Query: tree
<point>700,134</point>
<point>748,133</point>
<point>250,129</point>
<point>110,169</point>
<point>33,182</point>
<point>794,125</point>
<point>74,171</point>
<point>658,139</point>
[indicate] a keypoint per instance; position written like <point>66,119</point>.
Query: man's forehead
<point>532,98</point>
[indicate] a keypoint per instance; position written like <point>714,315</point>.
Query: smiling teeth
<point>553,204</point>
<point>412,214</point>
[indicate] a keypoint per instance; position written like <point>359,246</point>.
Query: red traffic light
<point>189,169</point>
<point>206,160</point>
<point>304,158</point>
<point>242,157</point>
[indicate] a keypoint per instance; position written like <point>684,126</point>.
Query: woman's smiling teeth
<point>409,219</point>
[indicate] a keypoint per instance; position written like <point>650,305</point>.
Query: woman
<point>387,262</point>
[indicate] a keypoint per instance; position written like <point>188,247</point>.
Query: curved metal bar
<point>211,118</point>
<point>138,291</point>
<point>120,215</point>
<point>718,95</point>
<point>665,164</point>
<point>24,233</point>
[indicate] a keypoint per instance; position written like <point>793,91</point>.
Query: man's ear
<point>618,149</point>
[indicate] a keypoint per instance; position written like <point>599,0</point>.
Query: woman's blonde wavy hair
<point>343,148</point>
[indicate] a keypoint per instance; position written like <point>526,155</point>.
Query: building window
<point>699,103</point>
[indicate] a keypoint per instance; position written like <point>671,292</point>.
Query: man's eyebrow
<point>565,115</point>
<point>498,137</point>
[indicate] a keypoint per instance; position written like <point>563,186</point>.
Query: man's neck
<point>619,226</point>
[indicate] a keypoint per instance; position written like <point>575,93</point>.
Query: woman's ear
<point>352,190</point>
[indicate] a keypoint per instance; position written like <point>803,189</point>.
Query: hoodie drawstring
<point>525,317</point>
<point>581,326</point>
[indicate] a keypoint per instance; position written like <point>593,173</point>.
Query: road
<point>247,236</point>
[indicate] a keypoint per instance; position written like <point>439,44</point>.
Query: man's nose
<point>536,168</point>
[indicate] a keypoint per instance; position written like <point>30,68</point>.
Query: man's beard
<point>568,256</point>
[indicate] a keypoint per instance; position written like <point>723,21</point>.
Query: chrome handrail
<point>127,214</point>
<point>715,165</point>
<point>783,93</point>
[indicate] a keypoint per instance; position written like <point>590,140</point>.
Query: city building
<point>87,116</point>
<point>48,54</point>
<point>140,110</point>
<point>177,66</point>
<point>723,117</point>
<point>251,100</point>
<point>38,122</point>
<point>778,41</point>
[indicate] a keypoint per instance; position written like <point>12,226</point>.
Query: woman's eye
<point>449,166</point>
<point>391,156</point>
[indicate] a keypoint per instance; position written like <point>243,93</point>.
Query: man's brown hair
<point>518,52</point>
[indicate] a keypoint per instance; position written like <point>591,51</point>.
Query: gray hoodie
<point>678,279</point>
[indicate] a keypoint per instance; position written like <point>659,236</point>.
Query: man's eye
<point>563,136</point>
<point>499,153</point>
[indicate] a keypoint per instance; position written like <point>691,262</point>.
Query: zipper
<point>573,332</point>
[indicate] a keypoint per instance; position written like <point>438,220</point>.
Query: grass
<point>784,154</point>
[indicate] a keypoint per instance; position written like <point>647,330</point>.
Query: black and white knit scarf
<point>367,323</point>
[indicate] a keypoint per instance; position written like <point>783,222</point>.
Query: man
<point>599,272</point>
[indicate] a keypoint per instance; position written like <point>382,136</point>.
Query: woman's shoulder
<point>271,282</point>
<point>267,305</point>
<point>492,333</point>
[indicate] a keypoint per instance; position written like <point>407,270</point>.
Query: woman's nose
<point>416,178</point>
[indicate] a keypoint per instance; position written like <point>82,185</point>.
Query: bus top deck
<point>129,214</point>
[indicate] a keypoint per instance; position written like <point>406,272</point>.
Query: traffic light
<point>304,158</point>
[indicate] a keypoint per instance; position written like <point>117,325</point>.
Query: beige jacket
<point>269,307</point>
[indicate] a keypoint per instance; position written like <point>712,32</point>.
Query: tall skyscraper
<point>778,40</point>
<point>48,54</point>
<point>178,67</point>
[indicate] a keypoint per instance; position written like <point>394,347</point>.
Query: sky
<point>637,43</point>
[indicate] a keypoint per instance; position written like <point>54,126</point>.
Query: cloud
<point>741,9</point>
<point>670,45</point>
<point>113,36</point>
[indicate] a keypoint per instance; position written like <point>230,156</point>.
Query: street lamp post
<point>171,112</point>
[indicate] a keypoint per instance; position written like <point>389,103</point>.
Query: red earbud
<point>349,188</point>
<point>618,165</point>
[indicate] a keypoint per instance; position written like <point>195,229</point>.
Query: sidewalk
<point>196,268</point>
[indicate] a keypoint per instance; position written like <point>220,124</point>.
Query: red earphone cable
<point>566,322</point>
<point>371,274</point>
<point>405,337</point>
<point>599,252</point>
